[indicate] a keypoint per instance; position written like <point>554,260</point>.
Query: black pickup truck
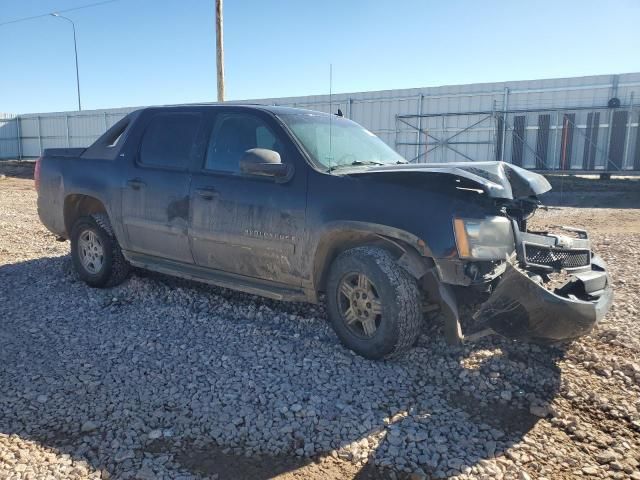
<point>296,205</point>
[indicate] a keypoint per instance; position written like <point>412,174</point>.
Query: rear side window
<point>115,133</point>
<point>113,141</point>
<point>168,140</point>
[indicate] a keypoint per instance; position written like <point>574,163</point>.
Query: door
<point>155,202</point>
<point>244,224</point>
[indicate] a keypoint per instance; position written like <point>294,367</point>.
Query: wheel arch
<point>77,205</point>
<point>408,250</point>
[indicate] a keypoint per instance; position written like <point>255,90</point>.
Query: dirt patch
<point>213,461</point>
<point>17,169</point>
<point>219,462</point>
<point>596,221</point>
<point>593,192</point>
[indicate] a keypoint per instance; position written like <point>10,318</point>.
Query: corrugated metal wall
<point>67,129</point>
<point>547,124</point>
<point>9,145</point>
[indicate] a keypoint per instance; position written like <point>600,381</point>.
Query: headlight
<point>488,239</point>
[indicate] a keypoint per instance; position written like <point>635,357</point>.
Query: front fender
<point>335,237</point>
<point>376,229</point>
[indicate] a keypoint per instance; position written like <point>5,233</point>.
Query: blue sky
<point>141,52</point>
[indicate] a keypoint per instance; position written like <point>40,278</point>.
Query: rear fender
<point>84,202</point>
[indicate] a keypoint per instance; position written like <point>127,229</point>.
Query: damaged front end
<point>553,289</point>
<point>548,287</point>
<point>535,285</point>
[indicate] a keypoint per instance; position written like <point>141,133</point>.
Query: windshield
<point>339,142</point>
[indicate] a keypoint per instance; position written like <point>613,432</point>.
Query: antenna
<point>330,114</point>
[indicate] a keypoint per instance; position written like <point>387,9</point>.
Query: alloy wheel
<point>359,304</point>
<point>91,251</point>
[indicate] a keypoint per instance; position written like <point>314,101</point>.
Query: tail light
<point>36,174</point>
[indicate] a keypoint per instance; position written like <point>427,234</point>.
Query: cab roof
<point>275,109</point>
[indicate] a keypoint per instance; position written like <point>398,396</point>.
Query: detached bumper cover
<point>522,308</point>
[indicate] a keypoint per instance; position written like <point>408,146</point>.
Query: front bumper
<point>522,308</point>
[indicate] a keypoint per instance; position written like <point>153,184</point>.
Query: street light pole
<point>75,49</point>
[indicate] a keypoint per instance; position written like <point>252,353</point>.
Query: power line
<point>24,19</point>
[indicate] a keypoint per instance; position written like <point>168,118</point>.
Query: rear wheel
<point>373,303</point>
<point>95,252</point>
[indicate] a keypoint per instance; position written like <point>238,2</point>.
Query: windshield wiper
<point>357,163</point>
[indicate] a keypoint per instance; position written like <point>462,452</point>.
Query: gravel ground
<point>162,378</point>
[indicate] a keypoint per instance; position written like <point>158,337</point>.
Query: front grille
<point>556,258</point>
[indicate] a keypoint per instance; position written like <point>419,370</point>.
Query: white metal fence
<point>543,124</point>
<point>53,130</point>
<point>9,135</point>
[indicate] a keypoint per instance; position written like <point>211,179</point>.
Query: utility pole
<point>219,51</point>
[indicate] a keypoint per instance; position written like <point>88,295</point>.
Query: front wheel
<point>95,252</point>
<point>373,303</point>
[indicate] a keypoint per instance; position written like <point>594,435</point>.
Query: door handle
<point>135,183</point>
<point>207,193</point>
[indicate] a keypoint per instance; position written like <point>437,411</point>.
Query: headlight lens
<point>488,239</point>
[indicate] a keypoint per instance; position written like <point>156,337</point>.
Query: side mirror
<point>264,162</point>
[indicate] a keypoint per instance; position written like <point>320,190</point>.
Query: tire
<point>109,267</point>
<point>397,310</point>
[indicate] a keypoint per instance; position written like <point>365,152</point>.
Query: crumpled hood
<point>496,179</point>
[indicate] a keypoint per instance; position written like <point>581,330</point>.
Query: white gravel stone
<point>88,426</point>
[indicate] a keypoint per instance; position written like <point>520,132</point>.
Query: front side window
<point>168,140</point>
<point>232,135</point>
<point>336,142</point>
